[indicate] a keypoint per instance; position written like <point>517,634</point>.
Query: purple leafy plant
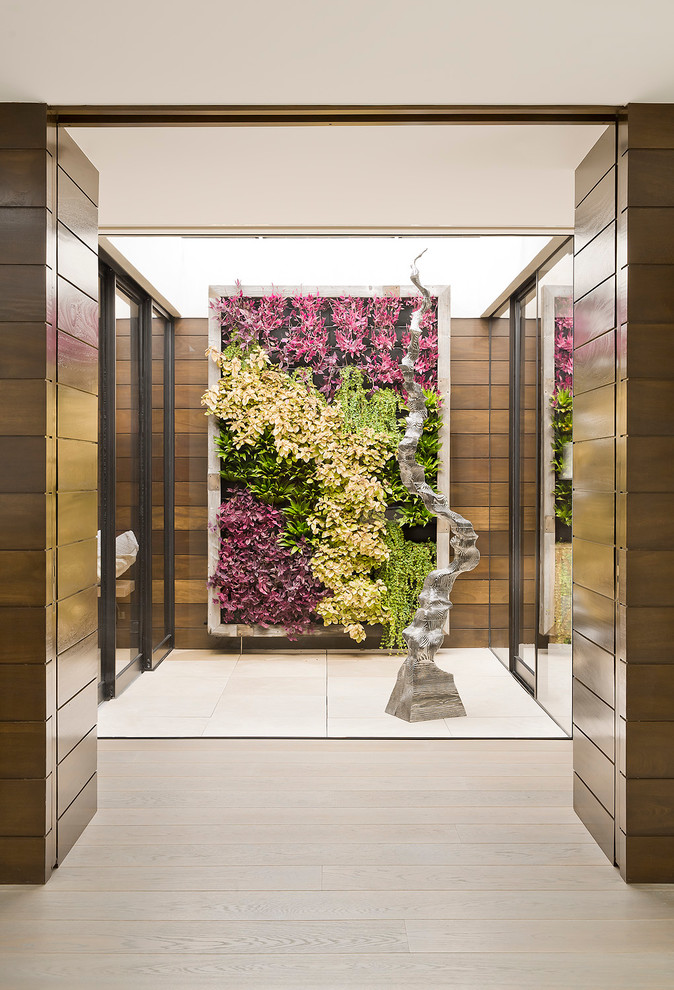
<point>257,581</point>
<point>563,353</point>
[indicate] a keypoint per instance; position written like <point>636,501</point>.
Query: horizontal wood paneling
<point>595,769</point>
<point>76,211</point>
<point>594,566</point>
<point>593,617</point>
<point>77,414</point>
<point>26,749</point>
<point>77,263</point>
<point>23,177</point>
<point>78,465</point>
<point>76,567</point>
<point>595,263</point>
<point>28,350</point>
<point>76,770</point>
<point>594,414</point>
<point>23,236</point>
<point>75,819</point>
<point>77,666</point>
<point>646,577</point>
<point>594,816</point>
<point>596,211</point>
<point>77,364</point>
<point>594,364</point>
<point>594,667</point>
<point>594,465</point>
<point>593,516</point>
<point>595,718</point>
<point>77,618</point>
<point>76,718</point>
<point>77,313</point>
<point>596,164</point>
<point>595,313</point>
<point>76,165</point>
<point>77,516</point>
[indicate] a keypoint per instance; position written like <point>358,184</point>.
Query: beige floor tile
<point>386,727</point>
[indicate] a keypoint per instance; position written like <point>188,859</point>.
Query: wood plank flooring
<point>325,864</point>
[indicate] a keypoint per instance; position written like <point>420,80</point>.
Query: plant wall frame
<point>355,298</point>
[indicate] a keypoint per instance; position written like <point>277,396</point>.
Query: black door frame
<point>111,278</point>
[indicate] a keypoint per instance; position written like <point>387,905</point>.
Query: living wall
<point>315,524</point>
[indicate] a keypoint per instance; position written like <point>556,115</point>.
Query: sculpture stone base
<point>423,692</point>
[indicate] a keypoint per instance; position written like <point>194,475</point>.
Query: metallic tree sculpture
<point>423,691</point>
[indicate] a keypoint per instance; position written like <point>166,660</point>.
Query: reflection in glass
<point>554,614</point>
<point>127,493</point>
<point>160,619</point>
<point>499,538</point>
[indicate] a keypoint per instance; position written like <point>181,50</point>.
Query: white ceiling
<point>452,177</point>
<point>346,51</point>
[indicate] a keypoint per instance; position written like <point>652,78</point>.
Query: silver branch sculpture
<point>423,691</point>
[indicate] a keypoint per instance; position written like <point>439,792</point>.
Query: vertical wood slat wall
<point>645,495</point>
<point>27,494</point>
<point>77,491</point>
<point>472,489</point>
<point>594,447</point>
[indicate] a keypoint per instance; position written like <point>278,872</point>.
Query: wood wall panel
<point>594,486</point>
<point>27,509</point>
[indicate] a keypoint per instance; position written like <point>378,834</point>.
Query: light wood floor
<point>331,864</point>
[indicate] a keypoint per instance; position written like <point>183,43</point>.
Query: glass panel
<point>159,618</point>
<point>127,494</point>
<point>528,473</point>
<point>499,529</point>
<point>554,615</point>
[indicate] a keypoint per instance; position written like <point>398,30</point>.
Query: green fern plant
<point>404,574</point>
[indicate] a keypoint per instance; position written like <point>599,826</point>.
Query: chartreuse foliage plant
<point>258,403</point>
<point>562,434</point>
<point>404,573</point>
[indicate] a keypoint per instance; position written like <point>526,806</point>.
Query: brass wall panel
<point>596,164</point>
<point>594,566</point>
<point>594,465</point>
<point>593,616</point>
<point>595,313</point>
<point>78,465</point>
<point>595,770</point>
<point>594,414</point>
<point>594,817</point>
<point>593,516</point>
<point>77,414</point>
<point>594,667</point>
<point>650,238</point>
<point>595,718</point>
<point>77,364</point>
<point>638,459</point>
<point>76,211</point>
<point>75,163</point>
<point>77,666</point>
<point>73,822</point>
<point>76,567</point>
<point>77,618</point>
<point>75,719</point>
<point>77,313</point>
<point>77,516</point>
<point>596,212</point>
<point>76,770</point>
<point>595,263</point>
<point>594,364</point>
<point>77,263</point>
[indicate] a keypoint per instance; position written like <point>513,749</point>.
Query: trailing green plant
<point>376,409</point>
<point>403,574</point>
<point>562,433</point>
<point>410,509</point>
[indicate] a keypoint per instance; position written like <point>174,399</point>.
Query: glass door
<point>136,476</point>
<point>524,483</point>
